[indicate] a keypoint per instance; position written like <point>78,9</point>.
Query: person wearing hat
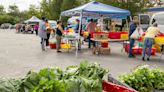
<point>42,32</point>
<point>133,26</point>
<point>149,40</point>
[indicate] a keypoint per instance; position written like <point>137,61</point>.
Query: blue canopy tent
<point>96,9</point>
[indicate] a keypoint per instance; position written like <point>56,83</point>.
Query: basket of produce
<point>145,79</point>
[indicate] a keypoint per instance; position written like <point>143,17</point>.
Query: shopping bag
<point>52,40</point>
<point>136,34</point>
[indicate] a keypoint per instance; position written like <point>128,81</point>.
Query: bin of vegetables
<point>87,77</point>
<point>145,79</point>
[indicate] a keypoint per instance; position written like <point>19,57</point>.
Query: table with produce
<point>103,40</point>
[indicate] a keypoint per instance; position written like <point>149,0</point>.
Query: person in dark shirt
<point>59,33</point>
<point>133,26</point>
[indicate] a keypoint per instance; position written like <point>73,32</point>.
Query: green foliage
<point>84,78</point>
<point>145,79</point>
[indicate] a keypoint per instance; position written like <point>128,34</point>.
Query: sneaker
<point>58,51</point>
<point>143,59</point>
<point>148,59</point>
<point>131,56</point>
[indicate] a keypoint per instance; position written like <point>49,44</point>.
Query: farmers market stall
<point>33,19</point>
<point>96,10</point>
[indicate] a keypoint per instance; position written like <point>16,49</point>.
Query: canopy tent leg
<point>80,28</point>
<point>127,24</point>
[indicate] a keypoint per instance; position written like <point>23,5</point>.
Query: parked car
<point>6,25</point>
<point>147,20</point>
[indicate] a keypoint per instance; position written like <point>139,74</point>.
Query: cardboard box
<point>105,51</point>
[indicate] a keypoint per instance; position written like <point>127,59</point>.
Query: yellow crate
<point>70,30</point>
<point>65,46</point>
<point>86,34</point>
<point>124,36</point>
<point>159,39</point>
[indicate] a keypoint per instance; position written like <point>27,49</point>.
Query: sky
<point>22,4</point>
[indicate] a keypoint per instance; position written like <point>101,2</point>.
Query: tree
<point>51,8</point>
<point>33,11</point>
<point>2,9</point>
<point>13,10</point>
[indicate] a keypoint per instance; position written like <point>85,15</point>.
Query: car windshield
<point>160,19</point>
<point>144,19</point>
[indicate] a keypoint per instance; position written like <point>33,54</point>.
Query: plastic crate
<point>159,39</point>
<point>124,36</point>
<point>104,44</point>
<point>52,45</point>
<point>114,35</point>
<point>153,51</point>
<point>110,87</point>
<point>137,50</point>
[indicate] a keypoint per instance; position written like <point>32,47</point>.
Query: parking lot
<point>20,53</point>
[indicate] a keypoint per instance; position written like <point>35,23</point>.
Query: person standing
<point>133,26</point>
<point>149,40</point>
<point>42,33</point>
<point>48,32</point>
<point>59,33</point>
<point>36,28</point>
<point>91,27</point>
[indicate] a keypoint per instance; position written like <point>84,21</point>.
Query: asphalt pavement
<point>20,53</point>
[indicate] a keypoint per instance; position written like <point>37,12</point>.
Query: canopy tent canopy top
<point>33,19</point>
<point>96,9</point>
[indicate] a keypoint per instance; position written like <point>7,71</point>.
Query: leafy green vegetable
<point>145,79</point>
<point>84,78</point>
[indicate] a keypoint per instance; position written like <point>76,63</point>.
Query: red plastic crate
<point>126,46</point>
<point>110,87</point>
<point>153,51</point>
<point>160,35</point>
<point>114,35</point>
<point>104,44</point>
<point>52,45</point>
<point>137,50</point>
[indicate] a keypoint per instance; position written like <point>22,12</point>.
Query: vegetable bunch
<point>84,78</point>
<point>145,79</point>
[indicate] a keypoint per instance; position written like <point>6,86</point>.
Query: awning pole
<point>79,40</point>
<point>127,24</point>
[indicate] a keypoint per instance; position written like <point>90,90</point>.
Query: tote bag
<point>137,33</point>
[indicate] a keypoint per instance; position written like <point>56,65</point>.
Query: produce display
<point>87,77</point>
<point>145,79</point>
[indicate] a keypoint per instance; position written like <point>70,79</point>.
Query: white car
<point>147,20</point>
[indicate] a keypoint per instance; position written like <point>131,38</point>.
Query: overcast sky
<point>22,4</point>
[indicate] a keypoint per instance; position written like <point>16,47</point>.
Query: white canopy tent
<point>33,19</point>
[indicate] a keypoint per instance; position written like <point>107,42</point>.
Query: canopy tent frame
<point>83,11</point>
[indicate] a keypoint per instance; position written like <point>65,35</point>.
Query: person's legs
<point>144,48</point>
<point>132,41</point>
<point>36,31</point>
<point>58,41</point>
<point>42,44</point>
<point>89,41</point>
<point>47,40</point>
<point>150,43</point>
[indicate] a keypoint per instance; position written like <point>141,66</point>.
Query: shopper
<point>42,33</point>
<point>48,32</point>
<point>59,33</point>
<point>91,27</point>
<point>149,40</point>
<point>36,28</point>
<point>133,26</point>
